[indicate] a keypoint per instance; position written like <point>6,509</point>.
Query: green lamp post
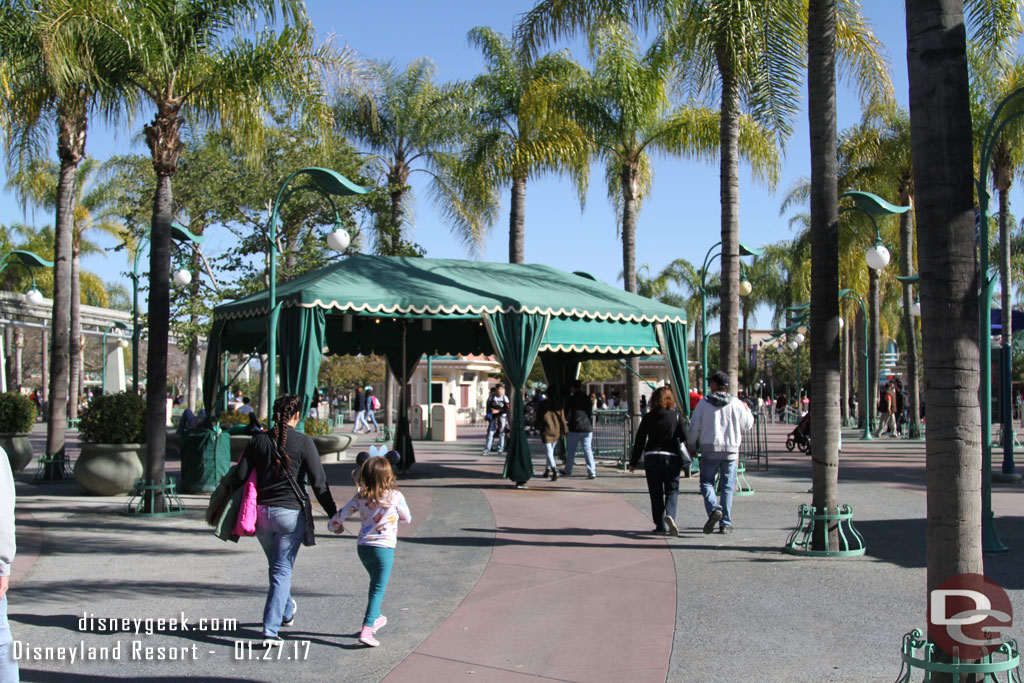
<point>877,258</point>
<point>28,261</point>
<point>865,390</point>
<point>1004,115</point>
<point>745,289</point>
<point>179,234</point>
<point>327,183</point>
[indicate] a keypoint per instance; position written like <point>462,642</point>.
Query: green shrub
<point>315,427</point>
<point>229,420</point>
<point>17,413</point>
<point>114,418</point>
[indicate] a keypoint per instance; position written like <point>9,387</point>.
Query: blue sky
<point>681,218</point>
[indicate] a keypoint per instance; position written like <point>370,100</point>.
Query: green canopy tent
<point>401,308</point>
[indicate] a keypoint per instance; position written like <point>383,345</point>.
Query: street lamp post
<point>327,183</point>
<point>877,258</point>
<point>865,390</point>
<point>1000,119</point>
<point>180,234</point>
<point>745,289</point>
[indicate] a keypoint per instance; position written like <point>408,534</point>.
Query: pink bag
<point>246,524</point>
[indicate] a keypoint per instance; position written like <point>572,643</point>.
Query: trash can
<point>205,458</point>
<point>418,417</point>
<point>442,423</point>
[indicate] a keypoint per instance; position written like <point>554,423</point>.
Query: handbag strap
<point>303,499</point>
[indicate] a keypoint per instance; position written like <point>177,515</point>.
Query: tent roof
<point>451,288</point>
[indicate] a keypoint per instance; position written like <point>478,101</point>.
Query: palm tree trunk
<point>629,185</point>
<point>940,133</point>
<point>824,328</point>
<point>909,326</point>
<point>75,388</point>
<point>71,149</point>
<point>729,193</point>
<point>863,394</point>
<point>873,343</point>
<point>517,223</point>
<point>156,356</point>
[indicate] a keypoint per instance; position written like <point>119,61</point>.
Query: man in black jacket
<point>579,414</point>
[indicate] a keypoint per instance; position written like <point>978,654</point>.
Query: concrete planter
<point>109,469</point>
<point>19,450</point>
<point>331,447</point>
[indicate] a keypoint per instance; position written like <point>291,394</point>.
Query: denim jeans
<point>280,531</point>
<point>549,453</point>
<point>371,417</point>
<point>497,424</point>
<point>360,420</point>
<point>662,470</point>
<point>726,482</point>
<point>588,454</point>
<point>8,667</point>
<point>378,562</point>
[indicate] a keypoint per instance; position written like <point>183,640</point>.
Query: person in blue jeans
<point>717,424</point>
<point>579,415</point>
<point>280,519</point>
<point>8,547</point>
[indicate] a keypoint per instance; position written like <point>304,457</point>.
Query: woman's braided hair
<point>285,407</point>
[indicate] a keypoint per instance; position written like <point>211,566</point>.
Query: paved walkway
<point>561,581</point>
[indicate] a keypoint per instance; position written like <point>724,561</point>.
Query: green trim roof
<point>405,287</point>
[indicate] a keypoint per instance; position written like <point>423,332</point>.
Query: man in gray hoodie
<point>718,423</point>
<point>8,667</point>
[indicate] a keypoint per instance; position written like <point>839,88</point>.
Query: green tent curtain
<point>394,356</point>
<point>672,337</point>
<point>516,338</point>
<point>211,371</point>
<point>301,337</point>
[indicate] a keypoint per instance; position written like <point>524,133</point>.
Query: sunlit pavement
<point>560,581</point>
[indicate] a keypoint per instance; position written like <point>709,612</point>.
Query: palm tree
<point>38,183</point>
<point>521,133</point>
<point>627,110</point>
<point>940,134</point>
<point>412,125</point>
<point>56,68</point>
<point>747,52</point>
<point>191,59</point>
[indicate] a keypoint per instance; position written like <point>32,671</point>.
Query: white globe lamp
<point>877,257</point>
<point>793,345</point>
<point>915,309</point>
<point>338,240</point>
<point>34,297</point>
<point>182,277</point>
<point>745,288</point>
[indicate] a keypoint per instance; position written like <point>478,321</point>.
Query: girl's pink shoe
<point>379,623</point>
<point>366,637</point>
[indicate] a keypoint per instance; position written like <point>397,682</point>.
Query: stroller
<point>800,437</point>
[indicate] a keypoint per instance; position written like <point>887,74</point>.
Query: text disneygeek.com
<point>140,649</point>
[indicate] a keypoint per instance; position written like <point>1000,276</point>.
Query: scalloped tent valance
<point>382,304</point>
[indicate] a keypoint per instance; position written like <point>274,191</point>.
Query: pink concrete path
<point>572,592</point>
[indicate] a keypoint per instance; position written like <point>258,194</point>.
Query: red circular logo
<point>967,615</point>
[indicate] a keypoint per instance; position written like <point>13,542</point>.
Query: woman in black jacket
<point>280,519</point>
<point>660,439</point>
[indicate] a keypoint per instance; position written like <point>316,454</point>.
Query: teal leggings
<point>378,563</point>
